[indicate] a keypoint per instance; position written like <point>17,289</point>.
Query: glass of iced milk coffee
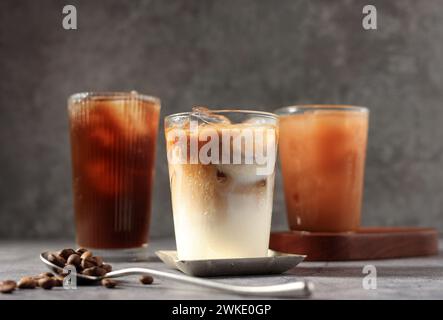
<point>322,154</point>
<point>221,170</point>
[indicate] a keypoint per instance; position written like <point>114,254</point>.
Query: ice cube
<point>102,136</point>
<point>100,176</point>
<point>179,121</point>
<point>252,145</point>
<point>126,116</point>
<point>207,116</point>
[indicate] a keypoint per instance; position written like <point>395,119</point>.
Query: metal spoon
<point>295,289</point>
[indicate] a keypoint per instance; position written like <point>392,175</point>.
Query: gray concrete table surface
<point>407,278</point>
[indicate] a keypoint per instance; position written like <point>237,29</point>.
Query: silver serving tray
<point>274,263</point>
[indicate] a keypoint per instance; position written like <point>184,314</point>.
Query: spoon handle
<point>295,289</point>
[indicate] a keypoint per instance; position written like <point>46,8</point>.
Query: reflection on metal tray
<point>274,263</point>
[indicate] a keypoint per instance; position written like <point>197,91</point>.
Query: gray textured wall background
<point>247,54</point>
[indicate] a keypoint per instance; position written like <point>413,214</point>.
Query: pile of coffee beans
<point>46,280</point>
<point>84,262</point>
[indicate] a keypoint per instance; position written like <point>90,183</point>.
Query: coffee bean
<point>57,260</point>
<point>98,261</point>
<point>94,271</point>
<point>89,271</point>
<point>146,279</point>
<point>27,283</point>
<point>7,286</point>
<point>74,259</point>
<point>46,274</point>
<point>46,283</point>
<point>80,251</point>
<point>58,282</point>
<point>86,254</point>
<point>65,253</point>
<point>109,283</point>
<point>107,267</point>
<point>87,263</point>
<point>100,271</point>
<point>43,275</point>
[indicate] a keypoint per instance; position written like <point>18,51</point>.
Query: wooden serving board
<point>365,244</point>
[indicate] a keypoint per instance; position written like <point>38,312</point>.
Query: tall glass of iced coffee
<point>322,155</point>
<point>221,169</point>
<point>113,140</point>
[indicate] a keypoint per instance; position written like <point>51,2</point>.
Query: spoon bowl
<point>83,278</point>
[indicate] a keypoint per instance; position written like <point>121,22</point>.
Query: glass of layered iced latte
<point>221,170</point>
